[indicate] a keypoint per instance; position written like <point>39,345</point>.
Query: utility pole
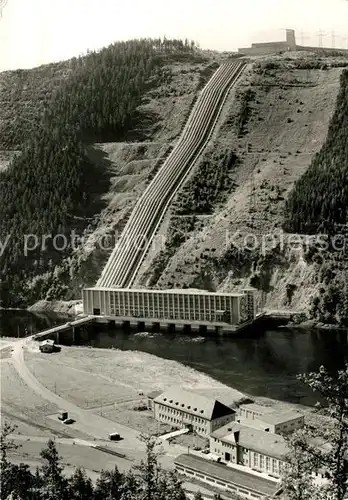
<point>333,39</point>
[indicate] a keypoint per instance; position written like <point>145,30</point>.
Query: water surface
<point>261,365</point>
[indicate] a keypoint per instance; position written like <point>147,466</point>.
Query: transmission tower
<point>2,5</point>
<point>333,39</point>
<point>320,34</point>
<point>346,40</point>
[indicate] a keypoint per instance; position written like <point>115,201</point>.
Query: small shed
<point>47,346</point>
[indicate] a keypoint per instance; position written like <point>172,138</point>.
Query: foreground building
<point>253,448</point>
<point>225,311</point>
<point>182,408</point>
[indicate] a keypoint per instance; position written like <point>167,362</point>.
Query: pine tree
<point>55,486</point>
<point>80,486</point>
<point>110,485</point>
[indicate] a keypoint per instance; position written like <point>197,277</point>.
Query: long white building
<point>229,311</point>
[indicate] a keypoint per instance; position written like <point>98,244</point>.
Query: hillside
<point>225,228</point>
<point>274,125</point>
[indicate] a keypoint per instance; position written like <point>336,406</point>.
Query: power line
<point>303,37</point>
<point>333,39</point>
<point>320,34</point>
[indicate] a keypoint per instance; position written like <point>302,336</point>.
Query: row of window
<point>267,464</point>
<point>177,300</point>
<point>164,410</point>
<point>135,313</point>
<point>260,461</point>
<point>178,421</point>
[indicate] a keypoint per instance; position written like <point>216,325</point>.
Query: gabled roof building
<point>254,448</point>
<point>182,408</point>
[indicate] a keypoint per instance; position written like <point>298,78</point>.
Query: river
<point>262,365</point>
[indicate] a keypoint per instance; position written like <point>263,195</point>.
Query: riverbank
<point>114,381</point>
<point>109,382</point>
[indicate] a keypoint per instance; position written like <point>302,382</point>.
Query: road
<point>95,426</point>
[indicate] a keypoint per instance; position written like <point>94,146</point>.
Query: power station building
<point>228,311</point>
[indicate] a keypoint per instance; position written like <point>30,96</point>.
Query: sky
<point>34,32</point>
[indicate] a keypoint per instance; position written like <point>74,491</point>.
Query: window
<point>256,459</point>
<point>262,464</point>
<point>274,465</point>
<point>268,464</point>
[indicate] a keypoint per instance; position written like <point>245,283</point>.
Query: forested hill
<point>320,197</point>
<point>52,182</point>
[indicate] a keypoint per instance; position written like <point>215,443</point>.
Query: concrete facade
<point>181,408</point>
<point>188,306</point>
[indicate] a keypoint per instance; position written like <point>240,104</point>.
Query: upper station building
<point>265,48</point>
<point>225,311</point>
<point>289,44</point>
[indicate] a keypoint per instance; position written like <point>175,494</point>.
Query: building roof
<point>225,473</point>
<point>257,408</point>
<point>47,342</point>
<point>193,403</point>
<point>280,418</point>
<point>184,291</point>
<point>153,394</point>
<point>267,443</point>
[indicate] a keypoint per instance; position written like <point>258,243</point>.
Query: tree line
<point>319,199</point>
